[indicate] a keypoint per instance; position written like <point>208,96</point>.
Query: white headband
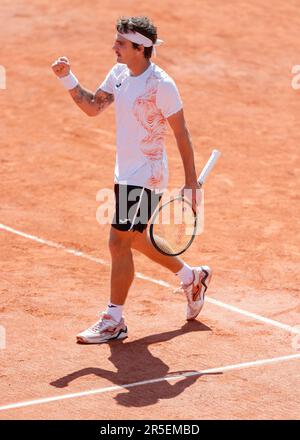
<point>136,37</point>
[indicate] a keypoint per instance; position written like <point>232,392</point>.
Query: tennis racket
<point>174,224</point>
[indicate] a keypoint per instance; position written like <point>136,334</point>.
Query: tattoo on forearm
<point>103,101</point>
<point>81,95</point>
<point>100,100</point>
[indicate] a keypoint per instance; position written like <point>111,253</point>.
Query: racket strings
<point>174,226</point>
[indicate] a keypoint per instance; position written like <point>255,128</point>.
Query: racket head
<point>173,226</point>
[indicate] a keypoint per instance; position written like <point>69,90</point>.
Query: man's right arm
<point>91,103</point>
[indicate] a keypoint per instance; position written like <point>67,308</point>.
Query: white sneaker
<point>195,292</point>
<point>104,330</point>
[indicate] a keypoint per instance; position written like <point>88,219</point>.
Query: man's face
<point>126,54</point>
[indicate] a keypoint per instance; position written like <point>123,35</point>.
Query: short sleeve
<point>168,99</point>
<point>107,84</point>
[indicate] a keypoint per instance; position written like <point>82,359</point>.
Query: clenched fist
<point>61,67</point>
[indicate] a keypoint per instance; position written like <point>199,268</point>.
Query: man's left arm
<point>184,143</point>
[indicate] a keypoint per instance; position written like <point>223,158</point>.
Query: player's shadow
<point>135,363</point>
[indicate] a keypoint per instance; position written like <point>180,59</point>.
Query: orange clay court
<point>240,358</point>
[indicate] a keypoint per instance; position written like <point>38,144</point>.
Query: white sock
<point>186,274</point>
<point>115,311</point>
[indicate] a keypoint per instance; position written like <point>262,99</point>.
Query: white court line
<point>78,253</point>
<point>151,381</point>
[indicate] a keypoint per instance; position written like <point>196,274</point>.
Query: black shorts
<point>134,207</point>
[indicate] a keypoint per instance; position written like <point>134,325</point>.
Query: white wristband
<point>70,81</point>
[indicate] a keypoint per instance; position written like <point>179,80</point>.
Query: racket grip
<point>208,166</point>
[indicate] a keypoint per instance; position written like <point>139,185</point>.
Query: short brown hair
<point>143,25</point>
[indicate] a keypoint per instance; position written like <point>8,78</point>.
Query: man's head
<point>127,50</point>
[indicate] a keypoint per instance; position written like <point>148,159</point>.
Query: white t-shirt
<point>142,105</point>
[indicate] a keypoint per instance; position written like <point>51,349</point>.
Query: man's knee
<point>119,242</point>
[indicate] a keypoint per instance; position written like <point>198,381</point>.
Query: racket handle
<point>208,166</point>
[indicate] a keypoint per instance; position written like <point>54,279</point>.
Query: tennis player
<point>146,99</point>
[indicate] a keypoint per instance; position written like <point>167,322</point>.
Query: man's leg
<point>194,280</point>
<point>142,243</point>
<point>111,325</point>
<point>122,268</point>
